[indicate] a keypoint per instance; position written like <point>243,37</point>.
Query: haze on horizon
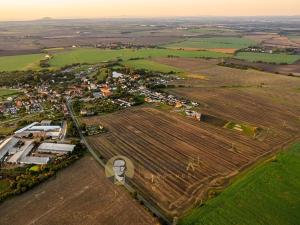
<point>35,9</point>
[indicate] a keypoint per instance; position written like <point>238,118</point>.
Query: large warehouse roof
<point>35,160</point>
<point>26,128</point>
<point>6,145</point>
<point>53,147</point>
<point>44,128</point>
<point>23,152</point>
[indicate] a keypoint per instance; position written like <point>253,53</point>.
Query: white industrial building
<point>6,145</point>
<point>23,152</point>
<point>38,130</point>
<point>20,154</point>
<point>117,75</point>
<point>35,160</point>
<point>56,148</point>
<point>21,147</point>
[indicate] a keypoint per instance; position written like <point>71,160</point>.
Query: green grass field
<point>20,62</point>
<point>214,42</point>
<point>268,58</point>
<point>151,66</point>
<point>212,31</point>
<point>8,92</point>
<point>267,195</point>
<point>92,55</point>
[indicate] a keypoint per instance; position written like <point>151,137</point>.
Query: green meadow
<point>268,58</point>
<point>93,55</point>
<point>8,92</point>
<point>20,62</point>
<point>214,42</point>
<point>151,66</point>
<point>268,194</point>
<point>212,31</point>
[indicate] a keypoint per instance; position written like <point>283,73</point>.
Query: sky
<point>36,9</point>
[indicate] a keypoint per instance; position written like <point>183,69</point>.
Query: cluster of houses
<point>135,85</point>
<point>258,50</point>
<point>184,105</point>
<point>31,101</point>
<point>12,106</point>
<point>23,148</point>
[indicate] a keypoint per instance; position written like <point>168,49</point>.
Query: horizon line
<point>49,18</point>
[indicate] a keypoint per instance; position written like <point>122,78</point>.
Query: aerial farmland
<point>172,121</point>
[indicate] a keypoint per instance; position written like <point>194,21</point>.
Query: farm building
<point>35,160</point>
<point>55,148</point>
<point>38,130</point>
<point>6,145</point>
<point>17,152</point>
<point>117,75</point>
<point>46,122</point>
<point>22,152</point>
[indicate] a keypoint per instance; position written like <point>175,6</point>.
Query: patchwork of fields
<point>214,43</point>
<point>177,160</point>
<point>92,55</point>
<point>215,48</point>
<point>268,194</point>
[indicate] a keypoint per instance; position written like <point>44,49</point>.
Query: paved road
<point>147,204</point>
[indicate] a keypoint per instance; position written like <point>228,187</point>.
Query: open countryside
<point>269,58</point>
<point>274,187</point>
<point>98,55</point>
<point>214,43</point>
<point>204,110</point>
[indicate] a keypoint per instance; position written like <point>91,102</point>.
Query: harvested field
<point>261,36</point>
<point>80,194</point>
<point>218,76</point>
<point>276,201</point>
<point>178,160</point>
<point>260,107</point>
<point>280,42</point>
<point>283,69</point>
<point>258,98</point>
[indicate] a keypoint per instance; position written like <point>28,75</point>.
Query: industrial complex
<point>27,145</point>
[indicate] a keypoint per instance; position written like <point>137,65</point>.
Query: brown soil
<point>80,194</point>
<point>163,146</point>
